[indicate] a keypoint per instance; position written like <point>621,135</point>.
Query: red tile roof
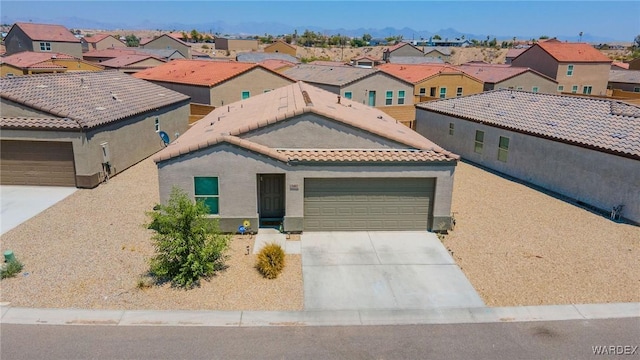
<point>620,65</point>
<point>197,72</point>
<point>398,46</point>
<point>229,123</point>
<point>97,38</point>
<point>492,74</point>
<point>27,59</point>
<point>512,53</point>
<point>275,64</point>
<point>415,73</point>
<point>47,32</point>
<point>572,52</point>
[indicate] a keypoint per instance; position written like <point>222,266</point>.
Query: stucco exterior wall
<point>279,47</point>
<point>380,83</point>
<point>108,43</point>
<point>6,69</point>
<point>620,86</point>
<point>166,42</point>
<point>311,131</point>
<point>437,54</point>
<point>406,50</point>
<point>599,179</point>
<point>527,81</point>
<point>237,171</point>
<point>198,94</point>
<point>70,48</point>
<point>77,65</point>
<point>595,75</point>
<point>539,60</point>
<point>256,81</point>
<point>17,41</point>
<point>451,82</point>
<point>236,44</point>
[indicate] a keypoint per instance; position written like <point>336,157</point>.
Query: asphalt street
<point>571,339</point>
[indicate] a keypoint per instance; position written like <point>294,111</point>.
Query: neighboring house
<point>365,61</point>
<point>512,54</point>
<point>256,57</point>
<point>401,49</point>
<point>29,62</point>
<point>435,81</point>
<point>577,67</point>
<point>71,129</point>
<point>215,83</point>
<point>42,38</point>
<point>101,42</point>
<point>415,60</point>
<point>130,64</point>
<point>619,66</point>
<point>626,80</point>
<point>366,86</point>
<point>165,41</point>
<point>197,55</point>
<point>634,64</point>
<point>298,158</point>
<point>583,148</point>
<point>329,63</point>
<point>99,56</point>
<point>281,47</point>
<point>449,43</point>
<point>277,65</point>
<point>164,54</point>
<point>439,52</point>
<point>236,44</point>
<point>496,76</point>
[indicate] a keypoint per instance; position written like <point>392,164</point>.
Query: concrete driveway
<point>381,270</point>
<point>21,203</point>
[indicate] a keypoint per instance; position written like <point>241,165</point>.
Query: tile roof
<point>196,72</point>
<point>329,63</point>
<point>164,35</point>
<point>47,32</point>
<point>256,57</point>
<point>601,124</point>
<point>415,60</point>
<point>281,42</point>
<point>127,60</point>
<point>398,46</point>
<point>367,155</point>
<point>109,53</point>
<point>366,57</point>
<point>624,76</point>
<point>415,73</point>
<point>511,53</point>
<point>441,49</point>
<point>38,123</point>
<point>572,52</point>
<point>26,59</point>
<point>227,123</point>
<point>276,64</point>
<point>90,98</point>
<point>620,65</point>
<point>326,74</point>
<point>494,74</point>
<point>159,53</point>
<point>97,38</point>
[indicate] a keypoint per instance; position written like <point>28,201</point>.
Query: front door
<point>372,98</point>
<point>271,195</point>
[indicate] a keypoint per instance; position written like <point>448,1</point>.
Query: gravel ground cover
<point>89,250</point>
<point>519,246</point>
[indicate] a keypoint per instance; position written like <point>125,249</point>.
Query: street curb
<point>27,316</point>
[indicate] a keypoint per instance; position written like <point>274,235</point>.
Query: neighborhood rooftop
<point>325,74</point>
<point>90,98</point>
<point>27,59</point>
<point>574,52</point>
<point>415,73</point>
<point>625,76</point>
<point>602,124</point>
<point>492,74</point>
<point>47,32</point>
<point>225,123</point>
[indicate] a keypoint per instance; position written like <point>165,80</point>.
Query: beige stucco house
<point>403,49</point>
<point>584,149</point>
<point>500,76</point>
<point>215,83</point>
<point>577,67</point>
<point>101,42</point>
<point>30,62</point>
<point>42,38</point>
<point>164,42</point>
<point>282,48</point>
<point>298,158</point>
<point>73,129</point>
<point>236,44</point>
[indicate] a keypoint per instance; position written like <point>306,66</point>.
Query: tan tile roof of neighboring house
<point>511,53</point>
<point>197,72</point>
<point>399,45</point>
<point>328,63</point>
<point>27,59</point>
<point>572,52</point>
<point>47,32</point>
<point>624,76</point>
<point>90,98</point>
<point>274,64</point>
<point>109,53</point>
<point>415,73</point>
<point>601,124</point>
<point>97,38</point>
<point>368,155</point>
<point>366,57</point>
<point>227,123</point>
<point>494,74</point>
<point>38,123</point>
<point>126,60</point>
<point>331,75</point>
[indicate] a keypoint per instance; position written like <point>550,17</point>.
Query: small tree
<point>132,40</point>
<point>188,245</point>
<point>437,37</point>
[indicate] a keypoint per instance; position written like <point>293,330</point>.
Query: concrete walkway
<point>317,318</point>
<point>21,203</point>
<point>360,270</point>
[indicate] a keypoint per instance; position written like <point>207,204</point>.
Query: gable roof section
<point>168,37</point>
<point>97,38</point>
<point>415,60</point>
<point>198,72</point>
<point>127,60</point>
<point>512,53</point>
<point>89,98</point>
<point>46,32</point>
<point>572,52</point>
<point>274,64</point>
<point>600,124</point>
<point>495,74</point>
<point>399,45</point>
<point>415,73</point>
<point>280,42</point>
<point>26,59</point>
<point>621,65</point>
<point>330,75</point>
<point>225,124</point>
<point>257,57</point>
<point>441,49</point>
<point>109,53</point>
<point>624,76</point>
<point>38,123</point>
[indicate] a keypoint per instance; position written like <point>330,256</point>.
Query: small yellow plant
<point>271,261</point>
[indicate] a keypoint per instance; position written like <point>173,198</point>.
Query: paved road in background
<point>572,339</point>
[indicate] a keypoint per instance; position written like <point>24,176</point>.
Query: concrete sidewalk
<point>28,316</point>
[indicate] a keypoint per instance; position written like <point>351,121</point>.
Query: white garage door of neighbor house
<point>355,204</point>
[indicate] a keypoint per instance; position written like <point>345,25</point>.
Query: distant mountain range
<point>261,28</point>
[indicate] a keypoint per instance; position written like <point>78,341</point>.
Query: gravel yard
<point>519,246</point>
<point>89,250</point>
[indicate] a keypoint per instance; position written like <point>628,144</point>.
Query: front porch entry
<point>271,200</point>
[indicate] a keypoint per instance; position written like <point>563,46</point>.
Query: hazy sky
<point>614,19</point>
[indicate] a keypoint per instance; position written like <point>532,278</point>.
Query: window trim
<point>443,95</point>
<point>423,91</point>
<point>196,196</point>
<point>570,70</point>
<point>535,89</point>
<point>503,151</point>
<point>585,87</point>
<point>452,128</point>
<point>45,46</point>
<point>574,89</point>
<point>388,100</point>
<point>401,98</point>
<point>157,124</point>
<point>560,88</point>
<point>242,94</point>
<point>348,95</point>
<point>459,91</point>
<point>636,89</point>
<point>478,144</point>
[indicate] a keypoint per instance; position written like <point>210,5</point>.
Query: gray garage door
<point>36,163</point>
<point>367,204</point>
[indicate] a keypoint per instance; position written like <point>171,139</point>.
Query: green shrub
<point>270,261</point>
<point>188,245</point>
<point>11,269</point>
